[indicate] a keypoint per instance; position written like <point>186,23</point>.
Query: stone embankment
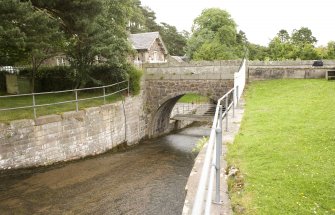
<point>71,135</point>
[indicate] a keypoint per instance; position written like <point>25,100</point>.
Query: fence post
<point>104,92</point>
<point>128,87</point>
<point>237,95</point>
<point>34,103</point>
<point>227,113</point>
<point>218,131</point>
<point>77,105</point>
<point>234,103</point>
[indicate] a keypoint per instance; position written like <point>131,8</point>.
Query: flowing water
<point>147,179</point>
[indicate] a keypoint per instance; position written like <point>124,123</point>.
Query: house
<point>149,48</point>
<point>59,59</point>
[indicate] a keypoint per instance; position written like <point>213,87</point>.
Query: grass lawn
<point>285,149</point>
<point>195,98</point>
<point>6,116</point>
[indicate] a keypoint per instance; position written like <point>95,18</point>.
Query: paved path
<point>228,137</point>
<point>234,124</point>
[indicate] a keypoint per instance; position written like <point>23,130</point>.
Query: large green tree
<point>299,45</point>
<point>215,37</point>
<point>94,29</point>
<point>174,41</point>
<point>28,34</point>
<point>330,50</point>
<point>257,52</point>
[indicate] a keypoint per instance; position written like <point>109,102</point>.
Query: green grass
<point>195,98</point>
<point>285,149</point>
<point>200,144</point>
<point>7,116</point>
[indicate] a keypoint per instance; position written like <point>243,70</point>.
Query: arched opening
<point>161,121</point>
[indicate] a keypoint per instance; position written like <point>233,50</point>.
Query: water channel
<point>147,179</point>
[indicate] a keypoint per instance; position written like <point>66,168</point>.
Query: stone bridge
<point>166,83</point>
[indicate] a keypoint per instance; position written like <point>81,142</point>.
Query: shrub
<point>134,75</point>
<point>63,78</point>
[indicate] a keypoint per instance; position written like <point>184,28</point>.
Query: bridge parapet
<point>166,83</point>
<point>200,70</point>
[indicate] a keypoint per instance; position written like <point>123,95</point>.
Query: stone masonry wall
<point>158,91</point>
<point>260,70</point>
<point>72,135</point>
<point>256,73</point>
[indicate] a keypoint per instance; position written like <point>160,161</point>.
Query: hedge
<point>63,78</point>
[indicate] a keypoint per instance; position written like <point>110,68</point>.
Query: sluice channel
<point>147,179</point>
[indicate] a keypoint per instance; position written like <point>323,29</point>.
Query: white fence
<point>240,80</point>
<point>211,166</point>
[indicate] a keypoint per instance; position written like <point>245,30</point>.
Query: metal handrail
<point>76,100</point>
<point>212,158</point>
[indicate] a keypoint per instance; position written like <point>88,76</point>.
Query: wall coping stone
<point>3,126</point>
<point>48,119</point>
<point>293,66</point>
<point>92,109</point>
<point>195,64</point>
<point>74,114</point>
<point>22,123</point>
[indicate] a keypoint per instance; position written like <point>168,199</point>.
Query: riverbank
<point>147,179</point>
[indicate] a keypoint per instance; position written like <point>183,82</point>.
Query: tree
<point>214,31</point>
<point>303,44</point>
<point>174,41</point>
<point>137,20</point>
<point>257,52</point>
<point>331,50</point>
<point>279,50</point>
<point>283,36</point>
<point>38,36</point>
<point>303,36</point>
<point>95,30</point>
<point>300,45</point>
<point>12,39</point>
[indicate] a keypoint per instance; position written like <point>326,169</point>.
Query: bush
<point>51,78</point>
<point>106,74</point>
<point>134,75</point>
<point>63,78</point>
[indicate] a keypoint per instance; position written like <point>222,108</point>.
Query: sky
<point>261,20</point>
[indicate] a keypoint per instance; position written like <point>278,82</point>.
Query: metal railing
<point>211,166</point>
<point>76,99</point>
<point>196,109</point>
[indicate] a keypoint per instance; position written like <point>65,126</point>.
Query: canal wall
<point>267,70</point>
<point>71,135</point>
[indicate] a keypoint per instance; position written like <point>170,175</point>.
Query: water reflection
<point>148,179</point>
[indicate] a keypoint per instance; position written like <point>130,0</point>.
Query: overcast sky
<point>261,20</point>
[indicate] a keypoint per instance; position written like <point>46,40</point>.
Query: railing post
<point>218,131</point>
<point>77,105</point>
<point>104,92</point>
<point>227,113</point>
<point>237,95</point>
<point>234,103</point>
<point>128,87</point>
<point>34,103</point>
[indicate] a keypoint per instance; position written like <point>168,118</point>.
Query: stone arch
<point>160,122</point>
